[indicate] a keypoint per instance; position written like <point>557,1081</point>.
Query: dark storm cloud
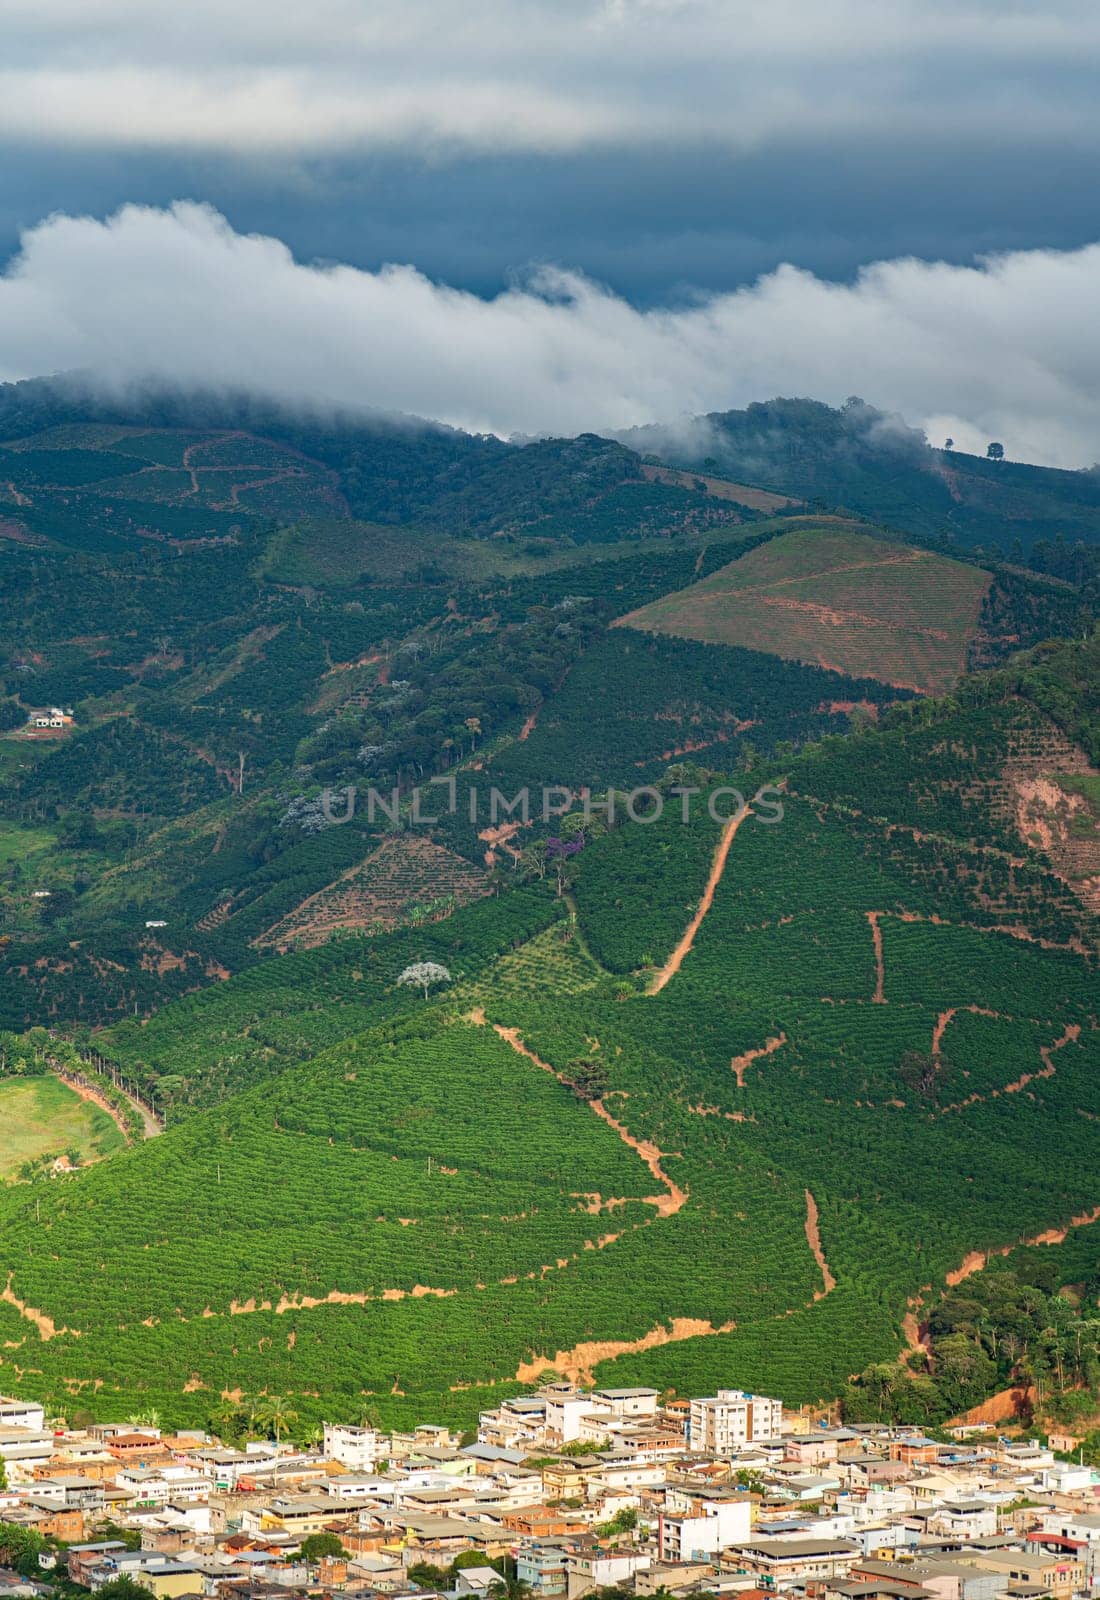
<point>650,222</point>
<point>652,143</point>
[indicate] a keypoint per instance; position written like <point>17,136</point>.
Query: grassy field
<point>17,843</point>
<point>838,599</point>
<point>43,1116</point>
<point>741,494</point>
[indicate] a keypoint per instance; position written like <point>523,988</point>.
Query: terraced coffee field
<point>732,1118</point>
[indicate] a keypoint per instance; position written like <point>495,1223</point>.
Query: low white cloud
<point>1008,349</point>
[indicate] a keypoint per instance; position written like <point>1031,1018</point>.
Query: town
<point>563,1493</point>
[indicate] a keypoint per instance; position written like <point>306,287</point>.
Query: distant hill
<point>862,460</point>
<point>832,596</point>
<point>92,473</point>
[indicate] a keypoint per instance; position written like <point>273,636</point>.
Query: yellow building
<point>171,1582</point>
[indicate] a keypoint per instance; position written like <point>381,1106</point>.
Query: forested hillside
<point>688,1093</point>
<point>870,463</point>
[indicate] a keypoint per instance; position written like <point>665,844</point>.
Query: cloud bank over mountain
<point>1009,349</point>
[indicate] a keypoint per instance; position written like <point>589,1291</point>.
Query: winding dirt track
<point>85,1090</point>
<point>667,1204</point>
<point>1069,1035</point>
<point>687,938</point>
<point>975,1260</point>
<point>740,1064</point>
<point>47,1328</point>
<point>916,1338</point>
<point>579,1363</point>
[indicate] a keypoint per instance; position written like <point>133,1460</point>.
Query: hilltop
<point>869,462</point>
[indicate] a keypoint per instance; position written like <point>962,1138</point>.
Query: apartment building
<point>781,1563</point>
<point>702,1528</point>
<point>358,1449</point>
<point>727,1421</point>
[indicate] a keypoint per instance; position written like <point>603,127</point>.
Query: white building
<point>625,1403</point>
<point>358,1449</point>
<point>21,1451</point>
<point>21,1414</point>
<point>514,1424</point>
<point>705,1529</point>
<point>1083,1527</point>
<point>565,1408</point>
<point>587,1569</point>
<point>159,1486</point>
<point>731,1419</point>
<point>1069,1478</point>
<point>964,1519</point>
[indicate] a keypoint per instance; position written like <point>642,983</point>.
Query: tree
<point>20,1548</point>
<point>423,975</point>
<point>510,1588</point>
<point>995,451</point>
<point>124,1589</point>
<point>534,861</point>
<point>624,1521</point>
<point>427,1576</point>
<point>227,1421</point>
<point>917,1071</point>
<point>752,1481</point>
<point>273,1412</point>
<point>589,1080</point>
<point>319,1545</point>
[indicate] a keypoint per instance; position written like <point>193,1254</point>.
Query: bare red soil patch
<point>813,1239</point>
<point>740,1064</point>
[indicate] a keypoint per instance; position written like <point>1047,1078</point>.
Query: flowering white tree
<point>423,974</point>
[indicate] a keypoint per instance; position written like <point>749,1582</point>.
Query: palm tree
<point>273,1412</point>
<point>225,1421</point>
<point>510,1588</point>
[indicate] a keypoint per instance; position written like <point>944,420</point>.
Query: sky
<point>552,214</point>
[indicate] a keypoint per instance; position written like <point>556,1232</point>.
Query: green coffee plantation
<point>877,1054</point>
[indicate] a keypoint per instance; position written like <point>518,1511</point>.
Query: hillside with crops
<point>834,597</point>
<point>471,910</point>
<point>743,1115</point>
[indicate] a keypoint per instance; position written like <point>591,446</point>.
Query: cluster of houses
<point>567,1492</point>
<point>51,720</point>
